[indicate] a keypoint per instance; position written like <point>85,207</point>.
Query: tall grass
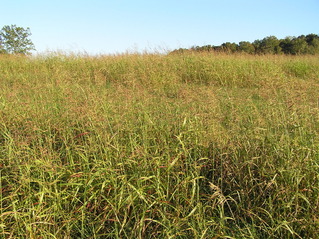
<point>154,146</point>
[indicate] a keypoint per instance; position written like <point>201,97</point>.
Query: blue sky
<point>116,26</point>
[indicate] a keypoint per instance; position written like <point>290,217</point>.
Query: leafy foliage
<point>15,40</point>
<point>269,45</point>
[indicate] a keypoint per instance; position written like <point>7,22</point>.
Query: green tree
<point>299,45</point>
<point>246,46</point>
<point>15,40</point>
<point>286,45</point>
<point>2,50</point>
<point>270,45</point>
<point>229,47</point>
<point>257,46</point>
<point>313,43</point>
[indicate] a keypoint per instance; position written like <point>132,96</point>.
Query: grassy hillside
<point>153,146</point>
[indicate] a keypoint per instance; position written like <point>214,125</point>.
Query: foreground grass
<point>151,146</point>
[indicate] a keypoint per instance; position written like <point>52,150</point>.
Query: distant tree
<point>207,48</point>
<point>310,38</point>
<point>229,47</point>
<point>270,45</point>
<point>313,43</point>
<point>286,45</point>
<point>179,51</point>
<point>257,46</point>
<point>2,50</point>
<point>15,40</point>
<point>299,45</point>
<point>246,46</point>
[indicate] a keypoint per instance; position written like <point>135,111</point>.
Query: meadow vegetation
<point>159,146</point>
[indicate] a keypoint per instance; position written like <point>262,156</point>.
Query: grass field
<point>159,146</point>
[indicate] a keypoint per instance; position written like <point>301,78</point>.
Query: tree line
<point>16,40</point>
<point>300,45</point>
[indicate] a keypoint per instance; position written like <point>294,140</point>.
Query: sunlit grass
<point>154,146</point>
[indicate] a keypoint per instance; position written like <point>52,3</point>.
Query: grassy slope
<point>142,146</point>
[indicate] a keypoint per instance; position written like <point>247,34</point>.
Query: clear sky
<point>114,26</point>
